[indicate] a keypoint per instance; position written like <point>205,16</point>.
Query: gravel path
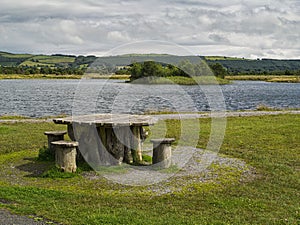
<point>223,114</point>
<point>181,116</point>
<point>6,218</point>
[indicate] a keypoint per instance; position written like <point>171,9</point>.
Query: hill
<point>263,66</point>
<point>234,66</point>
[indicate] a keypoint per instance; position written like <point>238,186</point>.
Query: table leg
<point>113,145</point>
<point>118,147</point>
<point>102,135</point>
<point>136,147</point>
<point>71,135</point>
<point>71,132</point>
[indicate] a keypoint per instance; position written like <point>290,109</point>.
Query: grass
<point>39,76</point>
<point>37,64</point>
<point>201,80</point>
<point>270,144</point>
<point>109,76</point>
<point>10,55</point>
<point>24,136</point>
<point>44,60</point>
<point>53,76</point>
<point>262,107</point>
<point>268,78</point>
<point>12,117</point>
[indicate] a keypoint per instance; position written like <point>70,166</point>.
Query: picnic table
<point>120,135</point>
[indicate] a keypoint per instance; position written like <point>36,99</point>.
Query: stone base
<point>65,155</point>
<point>162,152</point>
<point>54,136</point>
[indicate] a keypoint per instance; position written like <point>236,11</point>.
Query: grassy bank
<point>180,80</point>
<point>168,80</point>
<point>270,144</point>
<point>269,78</point>
<point>52,76</point>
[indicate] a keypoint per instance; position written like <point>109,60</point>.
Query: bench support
<point>65,155</point>
<point>54,136</point>
<point>162,152</point>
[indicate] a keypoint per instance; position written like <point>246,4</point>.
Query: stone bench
<point>54,136</point>
<point>162,152</point>
<point>65,155</point>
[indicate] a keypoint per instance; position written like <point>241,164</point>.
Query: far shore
<point>54,76</point>
<point>260,111</point>
<point>159,80</point>
<point>267,78</point>
<point>182,80</point>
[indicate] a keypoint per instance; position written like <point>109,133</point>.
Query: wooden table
<point>119,134</point>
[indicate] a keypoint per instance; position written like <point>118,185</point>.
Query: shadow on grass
<point>34,168</point>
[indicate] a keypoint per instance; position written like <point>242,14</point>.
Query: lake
<point>37,98</point>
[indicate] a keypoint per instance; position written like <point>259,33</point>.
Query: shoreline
<point>266,78</point>
<point>227,80</point>
<point>171,116</point>
<point>58,77</point>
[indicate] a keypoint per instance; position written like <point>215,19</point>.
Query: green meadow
<point>269,194</point>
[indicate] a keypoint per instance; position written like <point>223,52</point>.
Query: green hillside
<point>264,66</point>
<point>9,59</point>
<point>233,65</point>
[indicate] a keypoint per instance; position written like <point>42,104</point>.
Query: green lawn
<point>269,144</point>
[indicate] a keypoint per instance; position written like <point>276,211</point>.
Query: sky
<point>237,28</point>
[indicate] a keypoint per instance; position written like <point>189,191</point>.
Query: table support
<point>136,148</point>
<point>124,143</point>
<point>71,132</point>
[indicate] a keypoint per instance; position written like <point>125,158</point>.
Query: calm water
<point>36,98</point>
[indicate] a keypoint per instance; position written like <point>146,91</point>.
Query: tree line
<point>28,70</point>
<point>184,68</point>
<point>260,67</point>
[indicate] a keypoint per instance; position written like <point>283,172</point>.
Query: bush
<point>45,155</point>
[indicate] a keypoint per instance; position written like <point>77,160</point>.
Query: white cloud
<point>117,36</point>
<point>235,28</point>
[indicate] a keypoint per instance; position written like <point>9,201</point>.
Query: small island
<point>185,73</point>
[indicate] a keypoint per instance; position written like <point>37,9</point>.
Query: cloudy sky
<point>241,28</point>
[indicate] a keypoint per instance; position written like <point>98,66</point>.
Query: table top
<point>108,120</point>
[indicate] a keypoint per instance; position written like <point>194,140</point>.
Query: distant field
<point>54,59</point>
<point>38,64</point>
<point>38,76</point>
<point>8,59</point>
<point>54,76</point>
<point>269,78</point>
<point>222,58</point>
<point>42,60</point>
<point>9,55</point>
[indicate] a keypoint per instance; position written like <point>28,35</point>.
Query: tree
<point>218,70</point>
<point>202,69</point>
<point>136,71</point>
<point>151,68</point>
<point>187,67</point>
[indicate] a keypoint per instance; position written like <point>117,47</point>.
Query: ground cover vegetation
<point>269,195</point>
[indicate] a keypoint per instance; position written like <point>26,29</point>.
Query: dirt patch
<point>11,219</point>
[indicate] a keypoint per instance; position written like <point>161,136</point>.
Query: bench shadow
<point>34,167</point>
